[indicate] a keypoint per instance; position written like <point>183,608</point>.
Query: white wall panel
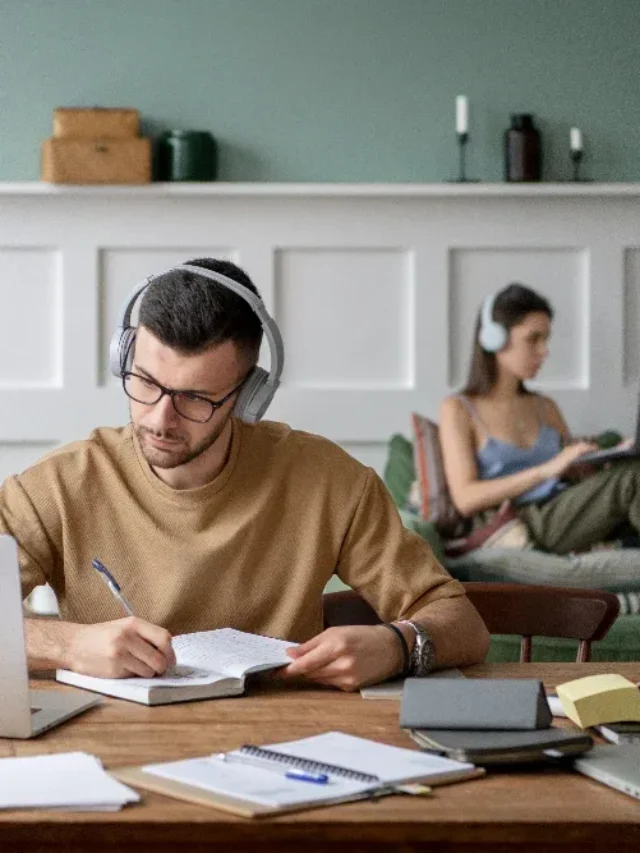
<point>372,454</point>
<point>31,317</point>
<point>346,317</point>
<point>16,456</point>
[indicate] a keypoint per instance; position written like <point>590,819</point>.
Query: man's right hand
<point>120,649</point>
<point>567,457</point>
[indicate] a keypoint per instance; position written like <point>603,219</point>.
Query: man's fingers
<point>303,648</point>
<point>134,666</point>
<point>318,657</point>
<point>334,669</point>
<point>158,637</point>
<point>147,654</point>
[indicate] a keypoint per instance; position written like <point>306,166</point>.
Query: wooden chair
<point>508,608</point>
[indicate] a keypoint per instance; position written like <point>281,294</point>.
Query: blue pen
<point>113,585</point>
<point>297,775</point>
<point>317,778</point>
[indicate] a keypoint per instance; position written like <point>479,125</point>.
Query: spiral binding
<point>306,764</point>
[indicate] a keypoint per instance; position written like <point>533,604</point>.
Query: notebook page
<point>231,652</point>
<point>255,785</point>
<point>390,763</point>
<point>69,780</point>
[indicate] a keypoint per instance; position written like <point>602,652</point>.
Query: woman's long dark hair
<point>510,307</point>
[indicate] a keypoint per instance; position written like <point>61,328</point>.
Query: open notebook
<point>209,664</point>
<point>321,770</point>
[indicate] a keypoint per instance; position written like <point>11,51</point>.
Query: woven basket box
<point>95,123</point>
<point>86,161</point>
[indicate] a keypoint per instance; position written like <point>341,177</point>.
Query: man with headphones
<point>209,518</point>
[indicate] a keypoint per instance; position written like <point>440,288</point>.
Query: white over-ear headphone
<point>259,387</point>
<point>493,336</point>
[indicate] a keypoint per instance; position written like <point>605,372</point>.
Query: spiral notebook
<point>325,769</point>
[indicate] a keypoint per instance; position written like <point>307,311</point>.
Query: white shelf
<point>326,190</point>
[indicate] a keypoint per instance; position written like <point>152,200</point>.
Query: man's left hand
<point>347,657</point>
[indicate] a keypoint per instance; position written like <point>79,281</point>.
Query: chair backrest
<point>545,611</point>
<point>508,608</point>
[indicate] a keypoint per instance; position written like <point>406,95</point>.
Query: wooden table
<point>525,810</point>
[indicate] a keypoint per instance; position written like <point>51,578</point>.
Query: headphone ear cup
<point>120,349</point>
<point>492,337</point>
<point>254,396</point>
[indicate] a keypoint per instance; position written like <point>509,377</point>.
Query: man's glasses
<point>191,406</point>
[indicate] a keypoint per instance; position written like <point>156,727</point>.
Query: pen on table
<point>297,775</point>
<point>113,585</point>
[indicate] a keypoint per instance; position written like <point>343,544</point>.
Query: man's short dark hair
<point>190,313</point>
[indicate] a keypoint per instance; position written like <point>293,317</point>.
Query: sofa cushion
<point>616,570</point>
<point>399,471</point>
<point>436,505</point>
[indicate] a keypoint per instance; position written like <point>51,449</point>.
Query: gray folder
<point>474,703</point>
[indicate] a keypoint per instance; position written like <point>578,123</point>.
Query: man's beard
<point>182,454</point>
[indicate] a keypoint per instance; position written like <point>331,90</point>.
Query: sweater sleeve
<point>18,518</point>
<point>394,569</point>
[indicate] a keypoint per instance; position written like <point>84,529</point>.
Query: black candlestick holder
<point>576,159</point>
<point>462,178</point>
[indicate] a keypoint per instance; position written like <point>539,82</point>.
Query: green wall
<point>332,90</point>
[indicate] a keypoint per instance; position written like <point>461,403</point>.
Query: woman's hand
<point>567,457</point>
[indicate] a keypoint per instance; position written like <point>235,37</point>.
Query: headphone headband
<point>259,388</point>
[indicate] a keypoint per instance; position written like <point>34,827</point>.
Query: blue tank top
<point>498,458</point>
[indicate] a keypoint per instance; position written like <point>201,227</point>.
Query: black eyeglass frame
<point>215,404</point>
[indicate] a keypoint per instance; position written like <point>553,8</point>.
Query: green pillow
<point>608,438</point>
<point>399,472</point>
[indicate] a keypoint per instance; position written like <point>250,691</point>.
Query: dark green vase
<point>187,155</point>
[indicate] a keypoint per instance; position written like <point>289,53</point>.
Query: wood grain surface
<point>531,809</point>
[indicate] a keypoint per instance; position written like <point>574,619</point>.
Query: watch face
<point>423,653</point>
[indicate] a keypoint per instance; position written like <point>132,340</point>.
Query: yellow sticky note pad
<point>600,699</point>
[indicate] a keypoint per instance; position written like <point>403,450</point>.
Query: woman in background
<point>502,442</point>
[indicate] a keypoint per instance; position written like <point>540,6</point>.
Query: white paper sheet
<point>65,781</point>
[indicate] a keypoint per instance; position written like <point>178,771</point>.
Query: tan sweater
<point>253,549</point>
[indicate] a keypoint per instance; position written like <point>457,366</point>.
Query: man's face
<point>167,439</point>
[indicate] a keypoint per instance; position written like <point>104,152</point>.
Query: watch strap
<point>406,656</point>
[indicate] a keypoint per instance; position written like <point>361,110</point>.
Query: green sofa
<point>616,572</point>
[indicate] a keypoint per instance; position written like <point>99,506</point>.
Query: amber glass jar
<point>522,149</point>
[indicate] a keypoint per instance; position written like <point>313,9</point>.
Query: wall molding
<point>566,189</point>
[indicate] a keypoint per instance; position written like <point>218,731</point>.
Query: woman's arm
<point>470,494</point>
<point>553,416</point>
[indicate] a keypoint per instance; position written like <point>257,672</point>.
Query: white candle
<point>575,139</point>
<point>462,114</point>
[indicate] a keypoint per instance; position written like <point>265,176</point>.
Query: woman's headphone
<point>259,387</point>
<point>492,336</point>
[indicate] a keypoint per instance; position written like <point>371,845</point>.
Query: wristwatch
<point>423,655</point>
